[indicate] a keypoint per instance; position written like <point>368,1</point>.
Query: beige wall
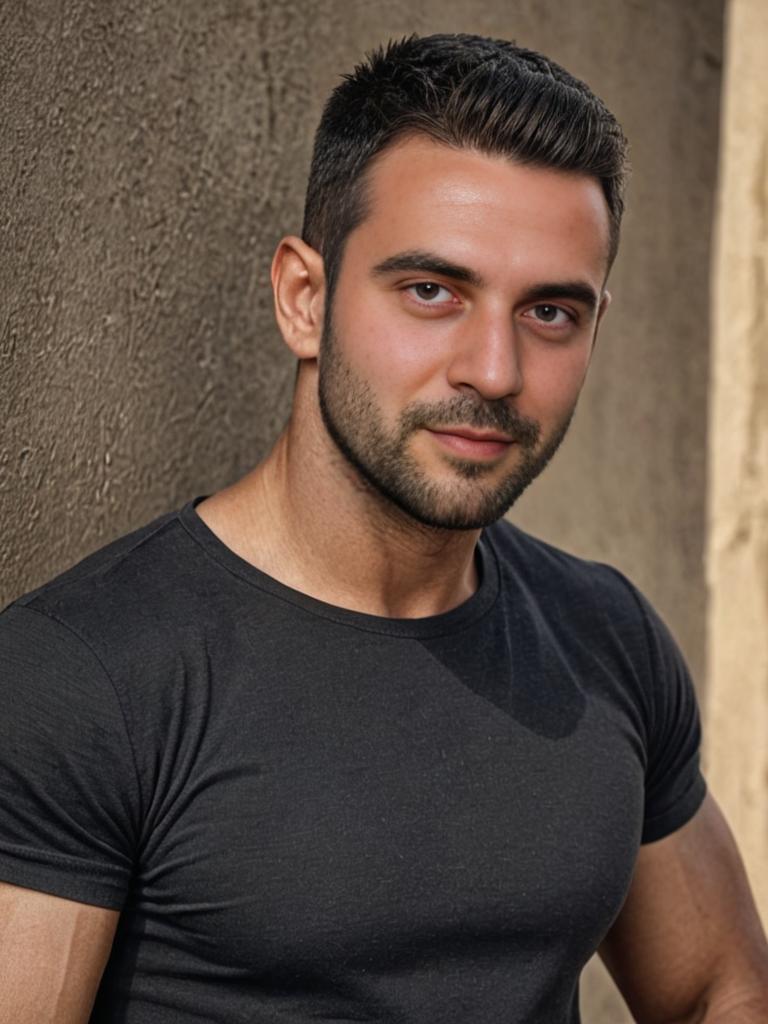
<point>737,699</point>
<point>154,153</point>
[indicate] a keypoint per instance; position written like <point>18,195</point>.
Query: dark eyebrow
<point>578,291</point>
<point>428,263</point>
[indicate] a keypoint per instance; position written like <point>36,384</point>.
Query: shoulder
<point>118,625</point>
<point>601,622</point>
<point>120,592</point>
<point>107,567</point>
<point>557,579</point>
<point>114,646</point>
<point>591,612</point>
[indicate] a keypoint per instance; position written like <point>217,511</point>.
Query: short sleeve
<point>674,786</point>
<point>68,786</point>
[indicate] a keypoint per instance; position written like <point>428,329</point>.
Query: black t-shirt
<point>305,812</point>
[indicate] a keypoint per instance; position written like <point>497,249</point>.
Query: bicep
<point>688,924</point>
<point>52,954</point>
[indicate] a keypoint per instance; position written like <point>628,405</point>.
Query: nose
<point>486,358</point>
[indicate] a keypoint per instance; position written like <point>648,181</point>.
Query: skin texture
<point>508,345</point>
<point>688,945</point>
<point>53,955</point>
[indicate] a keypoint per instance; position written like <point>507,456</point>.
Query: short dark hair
<point>464,91</point>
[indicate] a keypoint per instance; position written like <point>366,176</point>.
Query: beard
<point>383,459</point>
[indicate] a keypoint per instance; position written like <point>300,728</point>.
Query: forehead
<point>483,211</point>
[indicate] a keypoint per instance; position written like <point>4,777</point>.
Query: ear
<point>298,284</point>
<point>605,302</point>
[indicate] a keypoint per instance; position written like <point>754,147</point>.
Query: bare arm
<point>52,955</point>
<point>688,947</point>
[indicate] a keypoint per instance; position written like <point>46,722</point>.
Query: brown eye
<point>427,290</point>
<point>430,293</point>
<point>547,313</point>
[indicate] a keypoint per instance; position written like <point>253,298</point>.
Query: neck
<point>305,517</point>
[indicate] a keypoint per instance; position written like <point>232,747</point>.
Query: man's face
<point>461,328</point>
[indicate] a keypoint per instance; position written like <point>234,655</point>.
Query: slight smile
<point>483,445</point>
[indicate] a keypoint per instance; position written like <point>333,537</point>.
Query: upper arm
<point>689,934</point>
<point>52,955</point>
<point>70,803</point>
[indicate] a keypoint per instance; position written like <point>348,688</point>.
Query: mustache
<point>464,411</point>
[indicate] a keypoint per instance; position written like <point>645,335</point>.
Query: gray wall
<point>152,155</point>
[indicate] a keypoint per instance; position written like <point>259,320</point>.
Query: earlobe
<point>298,285</point>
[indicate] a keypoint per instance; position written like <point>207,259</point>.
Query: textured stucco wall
<point>153,153</point>
<point>737,705</point>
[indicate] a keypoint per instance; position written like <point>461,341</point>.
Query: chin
<point>445,507</point>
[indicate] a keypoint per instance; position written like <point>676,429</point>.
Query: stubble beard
<point>384,461</point>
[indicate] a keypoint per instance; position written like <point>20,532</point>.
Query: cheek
<point>553,380</point>
<point>391,350</point>
<point>407,357</point>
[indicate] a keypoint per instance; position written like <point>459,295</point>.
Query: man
<point>333,743</point>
